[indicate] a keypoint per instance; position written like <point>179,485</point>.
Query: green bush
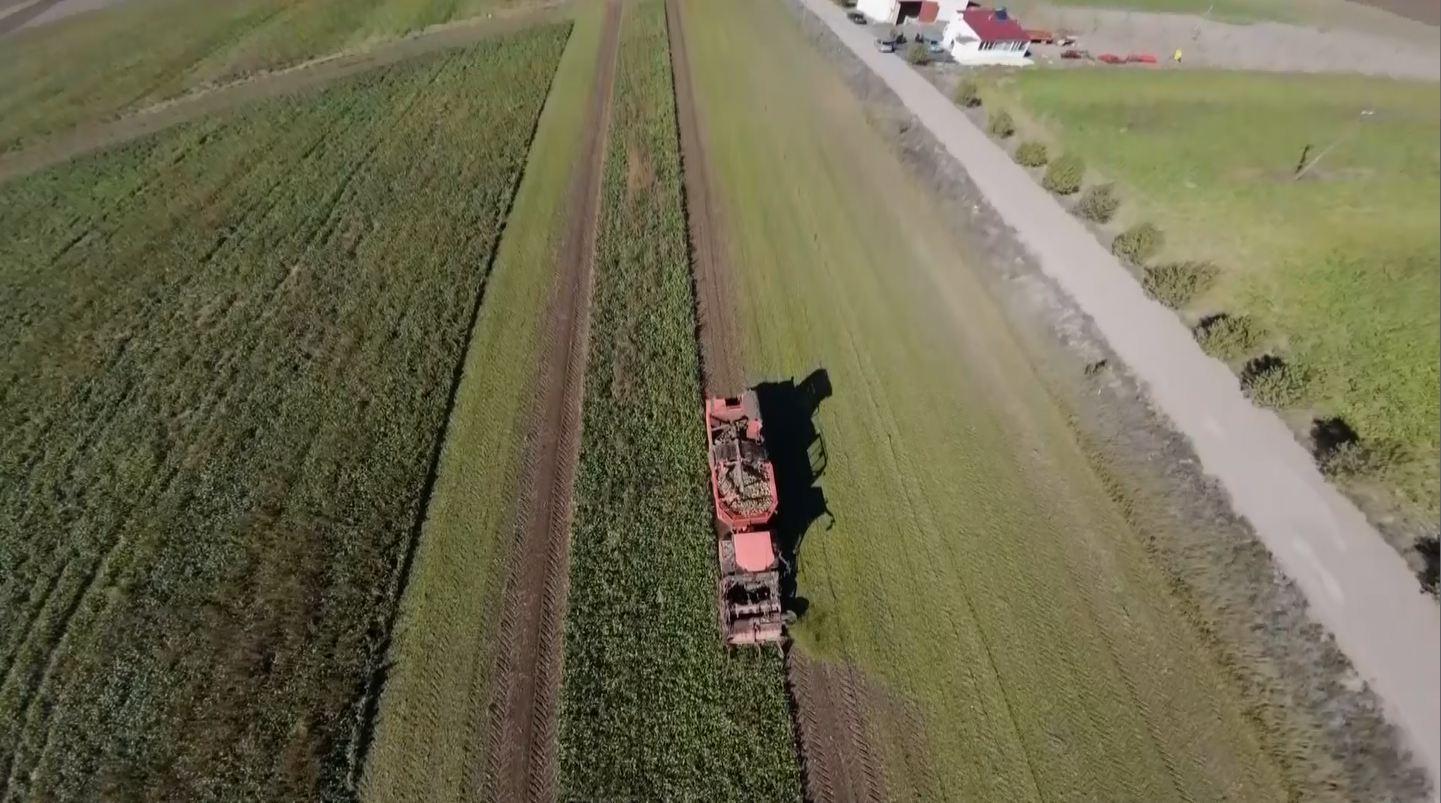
<point>968,93</point>
<point>917,54</point>
<point>1000,125</point>
<point>1064,176</point>
<point>1227,337</point>
<point>1271,381</point>
<point>1031,154</point>
<point>1355,459</point>
<point>1176,283</point>
<point>1138,243</point>
<point>1099,203</point>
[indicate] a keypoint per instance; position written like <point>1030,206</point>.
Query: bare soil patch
<point>720,357</point>
<point>837,761</point>
<point>529,648</point>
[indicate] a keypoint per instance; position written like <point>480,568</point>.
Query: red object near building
<point>993,27</point>
<point>929,11</point>
<point>1110,58</point>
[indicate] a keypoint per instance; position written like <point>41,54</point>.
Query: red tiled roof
<point>989,29</point>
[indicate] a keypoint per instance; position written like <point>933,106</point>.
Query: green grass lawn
<point>1342,269</point>
<point>431,738</point>
<point>230,348</point>
<point>91,67</point>
<point>973,565</point>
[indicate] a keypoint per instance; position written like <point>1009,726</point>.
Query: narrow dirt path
<point>720,351</point>
<point>309,76</point>
<point>528,653</point>
<point>828,700</point>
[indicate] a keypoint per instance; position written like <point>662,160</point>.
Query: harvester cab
<point>743,487</point>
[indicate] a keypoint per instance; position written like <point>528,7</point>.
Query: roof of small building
<point>990,28</point>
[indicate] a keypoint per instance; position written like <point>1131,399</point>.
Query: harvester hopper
<point>743,487</point>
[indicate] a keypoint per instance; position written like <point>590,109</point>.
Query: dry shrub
<point>1099,203</point>
<point>917,54</point>
<point>1031,154</point>
<point>1000,125</point>
<point>1273,382</point>
<point>1176,283</point>
<point>968,93</point>
<point>1064,176</point>
<point>1227,337</point>
<point>1138,243</point>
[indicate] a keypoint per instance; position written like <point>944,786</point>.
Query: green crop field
<point>94,66</point>
<point>972,565</point>
<point>230,349</point>
<point>651,708</point>
<point>430,737</point>
<point>1339,268</point>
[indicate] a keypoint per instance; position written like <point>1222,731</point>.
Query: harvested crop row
<point>433,733</point>
<point>232,348</point>
<point>651,708</point>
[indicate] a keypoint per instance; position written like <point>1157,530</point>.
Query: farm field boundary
<point>529,645</point>
<point>1319,713</point>
<point>308,77</point>
<point>433,741</point>
<point>837,763</point>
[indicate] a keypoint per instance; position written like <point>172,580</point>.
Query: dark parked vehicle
<point>856,17</point>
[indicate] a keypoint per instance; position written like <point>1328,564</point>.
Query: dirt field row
<point>524,705</point>
<point>837,764</point>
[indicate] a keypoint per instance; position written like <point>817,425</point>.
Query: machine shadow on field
<point>798,455</point>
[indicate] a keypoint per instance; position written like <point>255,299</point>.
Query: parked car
<point>856,17</point>
<point>886,45</point>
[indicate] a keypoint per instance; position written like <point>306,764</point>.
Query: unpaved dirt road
<point>1357,586</point>
<point>837,763</point>
<point>529,648</point>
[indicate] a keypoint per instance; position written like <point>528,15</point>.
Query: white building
<point>986,36</point>
<point>894,12</point>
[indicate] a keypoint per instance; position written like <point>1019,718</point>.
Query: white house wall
<point>880,10</point>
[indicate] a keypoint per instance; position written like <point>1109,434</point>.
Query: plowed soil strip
<point>720,353</point>
<point>527,677</point>
<point>836,763</point>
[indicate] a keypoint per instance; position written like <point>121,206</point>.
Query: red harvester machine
<point>743,485</point>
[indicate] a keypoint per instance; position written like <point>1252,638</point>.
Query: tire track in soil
<point>523,745</point>
<point>837,763</point>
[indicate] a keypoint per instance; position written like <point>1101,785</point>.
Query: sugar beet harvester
<point>743,485</point>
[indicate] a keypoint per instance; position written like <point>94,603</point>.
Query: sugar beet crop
<point>229,351</point>
<point>652,709</point>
